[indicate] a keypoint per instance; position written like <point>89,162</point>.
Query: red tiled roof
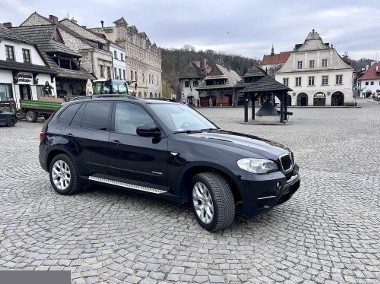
<point>276,58</point>
<point>373,73</point>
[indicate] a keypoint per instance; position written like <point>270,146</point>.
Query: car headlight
<point>257,166</point>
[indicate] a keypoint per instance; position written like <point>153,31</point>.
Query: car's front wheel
<point>63,175</point>
<point>213,201</point>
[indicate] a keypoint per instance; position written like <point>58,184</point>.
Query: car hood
<point>238,141</point>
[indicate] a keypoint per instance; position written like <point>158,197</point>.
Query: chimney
<point>102,22</point>
<point>377,68</point>
<point>53,18</point>
<point>7,25</point>
<point>197,63</point>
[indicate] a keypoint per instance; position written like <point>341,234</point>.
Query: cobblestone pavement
<point>327,233</point>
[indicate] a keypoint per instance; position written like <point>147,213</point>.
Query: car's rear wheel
<point>31,116</point>
<point>11,121</point>
<point>213,201</point>
<point>63,175</point>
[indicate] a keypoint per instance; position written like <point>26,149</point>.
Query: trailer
<point>43,107</point>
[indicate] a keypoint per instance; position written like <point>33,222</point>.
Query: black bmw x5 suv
<point>167,150</point>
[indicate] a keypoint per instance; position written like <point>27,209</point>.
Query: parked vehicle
<point>166,150</point>
<point>7,118</point>
<point>102,86</point>
<point>44,107</point>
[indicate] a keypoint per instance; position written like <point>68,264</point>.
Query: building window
<point>371,82</point>
<point>26,55</point>
<point>124,75</point>
<point>143,76</point>
<point>324,62</point>
<point>114,73</point>
<point>195,83</point>
<point>135,76</point>
<point>298,81</point>
<point>115,54</point>
<point>311,64</point>
<point>6,92</point>
<point>311,81</point>
<point>339,79</point>
<point>120,74</point>
<point>285,81</point>
<point>366,83</point>
<point>187,84</point>
<point>299,64</point>
<point>121,57</point>
<point>108,72</point>
<point>9,52</point>
<point>325,80</point>
<point>132,75</point>
<point>101,71</point>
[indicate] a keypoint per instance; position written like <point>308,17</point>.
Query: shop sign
<point>24,78</point>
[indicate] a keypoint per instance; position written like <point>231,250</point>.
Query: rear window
<point>67,115</point>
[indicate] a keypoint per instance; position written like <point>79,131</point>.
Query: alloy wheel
<point>203,203</point>
<point>61,175</point>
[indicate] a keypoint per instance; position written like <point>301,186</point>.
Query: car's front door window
<point>128,116</point>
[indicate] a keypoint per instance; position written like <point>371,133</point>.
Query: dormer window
<point>26,55</point>
<point>324,62</point>
<point>9,52</point>
<point>299,64</point>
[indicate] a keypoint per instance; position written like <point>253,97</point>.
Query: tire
<point>31,116</point>
<point>11,121</point>
<point>213,201</point>
<point>63,175</point>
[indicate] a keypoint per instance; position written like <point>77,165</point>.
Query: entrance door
<point>25,92</point>
<point>303,101</point>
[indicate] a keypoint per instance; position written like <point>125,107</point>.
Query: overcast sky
<point>244,27</point>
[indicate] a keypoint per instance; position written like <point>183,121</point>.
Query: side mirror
<point>148,130</point>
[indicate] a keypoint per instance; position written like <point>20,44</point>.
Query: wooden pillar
<point>285,106</point>
<point>253,106</point>
<point>282,108</point>
<point>245,107</point>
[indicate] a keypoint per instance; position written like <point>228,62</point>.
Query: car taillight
<point>42,136</point>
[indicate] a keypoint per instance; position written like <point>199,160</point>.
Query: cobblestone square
<point>327,233</point>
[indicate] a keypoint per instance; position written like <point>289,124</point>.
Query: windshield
<point>181,118</point>
<point>110,87</point>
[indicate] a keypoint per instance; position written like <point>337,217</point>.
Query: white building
<point>369,82</point>
<point>317,74</point>
<point>119,71</point>
<point>190,78</point>
<point>23,71</point>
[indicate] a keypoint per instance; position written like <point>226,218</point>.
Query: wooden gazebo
<point>258,84</point>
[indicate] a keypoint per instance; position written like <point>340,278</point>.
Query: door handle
<point>70,134</point>
<point>116,142</point>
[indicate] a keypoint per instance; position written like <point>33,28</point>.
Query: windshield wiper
<point>187,131</point>
<point>209,129</point>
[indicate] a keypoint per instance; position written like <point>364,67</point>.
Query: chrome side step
<point>126,185</point>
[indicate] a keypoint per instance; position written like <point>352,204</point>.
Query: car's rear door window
<point>97,115</point>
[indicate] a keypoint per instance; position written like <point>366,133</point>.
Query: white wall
<point>18,46</point>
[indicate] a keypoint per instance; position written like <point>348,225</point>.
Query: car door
<point>88,134</point>
<point>133,157</point>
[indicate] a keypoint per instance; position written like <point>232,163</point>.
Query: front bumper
<point>261,195</point>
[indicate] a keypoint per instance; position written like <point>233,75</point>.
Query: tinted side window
<point>128,116</point>
<point>96,115</point>
<point>67,115</point>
